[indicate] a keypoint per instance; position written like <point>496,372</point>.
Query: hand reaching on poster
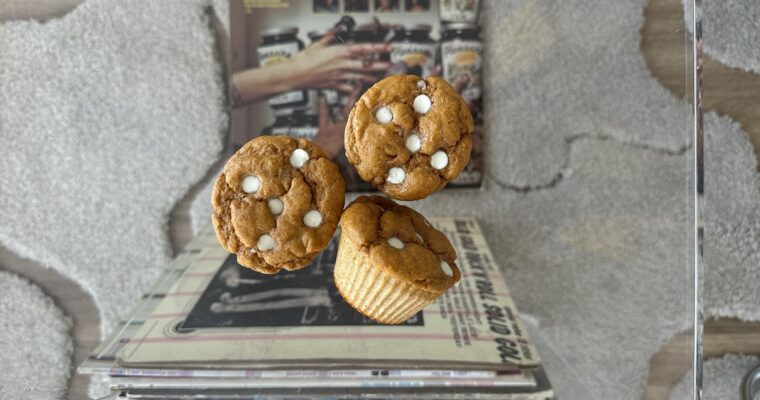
<point>320,65</point>
<point>330,134</point>
<point>323,65</point>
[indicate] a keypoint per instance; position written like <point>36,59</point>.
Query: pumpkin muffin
<point>391,262</point>
<point>409,136</point>
<point>277,203</point>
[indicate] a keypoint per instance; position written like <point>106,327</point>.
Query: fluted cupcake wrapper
<point>373,292</point>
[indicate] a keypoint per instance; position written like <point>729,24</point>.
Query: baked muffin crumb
<point>277,203</point>
<point>391,262</point>
<point>408,136</point>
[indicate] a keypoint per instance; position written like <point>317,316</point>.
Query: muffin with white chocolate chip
<point>409,136</point>
<point>277,203</point>
<point>391,262</point>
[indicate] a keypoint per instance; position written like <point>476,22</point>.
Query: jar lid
<point>366,28</point>
<point>460,26</point>
<point>280,31</point>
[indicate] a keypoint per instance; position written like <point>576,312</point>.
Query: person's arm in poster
<point>330,134</point>
<point>320,65</point>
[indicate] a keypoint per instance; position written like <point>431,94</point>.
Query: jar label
<point>419,58</point>
<point>303,132</point>
<point>280,130</point>
<point>273,55</point>
<point>462,59</point>
<point>312,103</point>
<point>331,95</point>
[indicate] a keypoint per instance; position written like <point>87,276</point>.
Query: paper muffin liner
<point>373,292</point>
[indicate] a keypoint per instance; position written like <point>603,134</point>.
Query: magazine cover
<point>220,312</point>
<point>298,67</point>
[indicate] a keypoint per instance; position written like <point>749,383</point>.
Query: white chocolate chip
<point>421,84</point>
<point>439,160</point>
<point>422,104</point>
<point>383,115</point>
<point>275,206</point>
<point>413,143</point>
<point>396,175</point>
<point>312,219</point>
<point>447,269</point>
<point>395,243</point>
<point>250,184</point>
<point>265,242</point>
<point>298,158</point>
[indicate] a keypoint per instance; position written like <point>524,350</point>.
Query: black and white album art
<point>240,297</point>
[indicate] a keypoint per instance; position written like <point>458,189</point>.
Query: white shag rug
<point>558,69</point>
<point>732,224</point>
<point>731,31</point>
<point>35,342</point>
<point>722,378</point>
<point>108,116</point>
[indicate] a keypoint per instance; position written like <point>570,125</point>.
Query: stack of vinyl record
<point>211,329</point>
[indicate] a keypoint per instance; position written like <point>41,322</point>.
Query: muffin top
<point>277,203</point>
<point>409,136</point>
<point>401,242</point>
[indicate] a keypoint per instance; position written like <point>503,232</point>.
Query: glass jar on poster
<point>278,45</point>
<point>412,47</point>
<point>462,62</point>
